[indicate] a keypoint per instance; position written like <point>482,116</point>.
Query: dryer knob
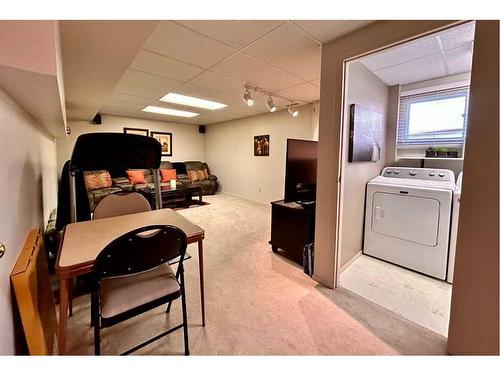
<point>396,171</point>
<point>441,174</point>
<point>432,174</point>
<point>413,173</point>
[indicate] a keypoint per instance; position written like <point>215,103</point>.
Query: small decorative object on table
<point>173,184</point>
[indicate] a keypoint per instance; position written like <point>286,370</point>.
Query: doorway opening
<point>404,134</point>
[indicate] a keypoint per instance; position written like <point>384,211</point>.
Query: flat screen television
<point>300,171</point>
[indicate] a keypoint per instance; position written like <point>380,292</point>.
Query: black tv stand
<point>292,228</point>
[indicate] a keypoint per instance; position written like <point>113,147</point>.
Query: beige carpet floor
<point>257,303</point>
<point>419,298</point>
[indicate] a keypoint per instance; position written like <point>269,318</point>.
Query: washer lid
<point>429,184</point>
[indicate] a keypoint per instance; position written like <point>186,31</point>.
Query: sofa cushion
<point>201,175</point>
<point>168,174</point>
<point>193,176</point>
<point>97,180</point>
<point>136,176</point>
<point>180,167</point>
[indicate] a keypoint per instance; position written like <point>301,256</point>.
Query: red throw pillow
<point>168,174</point>
<point>136,177</point>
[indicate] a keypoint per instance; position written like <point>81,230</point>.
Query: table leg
<point>70,296</point>
<point>202,282</point>
<point>63,312</point>
<point>201,197</point>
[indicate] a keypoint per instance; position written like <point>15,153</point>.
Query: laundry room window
<point>437,118</point>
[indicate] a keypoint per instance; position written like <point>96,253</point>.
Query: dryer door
<point>409,218</point>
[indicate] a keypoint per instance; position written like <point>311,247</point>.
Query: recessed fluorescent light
<point>191,101</point>
<point>169,111</point>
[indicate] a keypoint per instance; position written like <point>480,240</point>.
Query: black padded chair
<point>131,275</point>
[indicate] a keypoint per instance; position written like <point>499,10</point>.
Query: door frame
<point>372,38</point>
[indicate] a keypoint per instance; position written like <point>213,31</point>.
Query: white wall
<point>367,90</point>
<point>28,192</point>
<point>187,142</point>
<point>229,152</point>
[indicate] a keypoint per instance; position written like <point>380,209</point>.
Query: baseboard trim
<point>350,261</point>
<point>244,198</point>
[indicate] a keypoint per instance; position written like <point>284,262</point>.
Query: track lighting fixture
<point>270,104</point>
<point>247,98</point>
<point>292,111</point>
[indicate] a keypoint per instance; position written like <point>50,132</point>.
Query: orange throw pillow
<point>193,176</point>
<point>168,174</point>
<point>97,180</point>
<point>201,175</point>
<point>136,177</point>
<point>206,174</point>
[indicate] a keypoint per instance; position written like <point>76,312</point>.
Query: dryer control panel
<point>419,173</point>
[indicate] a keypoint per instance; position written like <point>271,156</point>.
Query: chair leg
<point>95,321</point>
<point>169,304</point>
<point>184,316</point>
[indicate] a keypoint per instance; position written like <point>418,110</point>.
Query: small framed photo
<point>166,142</point>
<point>261,145</point>
<point>136,131</point>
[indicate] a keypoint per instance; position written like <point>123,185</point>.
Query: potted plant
<point>452,154</point>
<point>441,152</point>
<point>430,152</point>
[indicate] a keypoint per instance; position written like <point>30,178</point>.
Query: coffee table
<point>169,194</point>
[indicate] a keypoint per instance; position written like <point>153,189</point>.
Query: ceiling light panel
<point>191,101</point>
<point>169,111</point>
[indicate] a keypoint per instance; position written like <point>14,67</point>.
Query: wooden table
<point>83,241</point>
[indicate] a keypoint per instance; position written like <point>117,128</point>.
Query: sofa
<point>100,184</point>
<point>208,183</point>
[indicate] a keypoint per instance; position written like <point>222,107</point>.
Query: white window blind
<point>433,118</point>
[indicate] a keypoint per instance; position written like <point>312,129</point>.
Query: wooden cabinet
<point>292,227</point>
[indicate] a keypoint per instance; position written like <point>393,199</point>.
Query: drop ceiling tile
<point>250,70</point>
<point>152,63</point>
<point>134,77</point>
<point>174,40</point>
<point>459,36</point>
<point>133,90</point>
<point>306,92</point>
<point>459,60</point>
<point>127,99</point>
<point>426,68</point>
<point>400,54</point>
<point>237,34</point>
<point>217,82</point>
<point>290,49</point>
<point>324,31</point>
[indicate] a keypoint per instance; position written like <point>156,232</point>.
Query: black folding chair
<point>131,275</point>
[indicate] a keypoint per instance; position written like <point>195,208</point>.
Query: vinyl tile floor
<point>416,297</point>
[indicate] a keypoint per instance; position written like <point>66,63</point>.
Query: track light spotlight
<point>247,98</point>
<point>292,111</point>
<point>270,104</point>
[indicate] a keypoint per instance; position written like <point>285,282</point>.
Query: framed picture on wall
<point>261,145</point>
<point>365,134</point>
<point>166,142</point>
<point>136,131</point>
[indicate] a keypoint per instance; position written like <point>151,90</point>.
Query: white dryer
<point>408,217</point>
<point>457,193</point>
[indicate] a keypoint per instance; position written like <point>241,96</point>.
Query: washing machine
<point>408,218</point>
<point>454,227</point>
